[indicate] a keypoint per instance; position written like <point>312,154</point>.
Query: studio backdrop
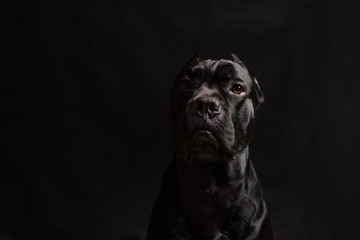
<point>85,134</point>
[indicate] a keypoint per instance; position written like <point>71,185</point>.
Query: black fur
<point>210,190</point>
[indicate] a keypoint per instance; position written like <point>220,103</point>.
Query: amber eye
<point>185,85</point>
<point>238,89</point>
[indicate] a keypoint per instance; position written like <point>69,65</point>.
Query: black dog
<point>210,190</point>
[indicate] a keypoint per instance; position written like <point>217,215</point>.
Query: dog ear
<point>259,95</point>
<point>258,91</point>
<point>194,58</point>
<point>237,60</point>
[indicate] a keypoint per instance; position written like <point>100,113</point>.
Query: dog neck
<point>210,191</point>
<point>210,177</point>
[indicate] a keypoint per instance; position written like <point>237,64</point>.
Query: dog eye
<point>185,85</point>
<point>238,89</point>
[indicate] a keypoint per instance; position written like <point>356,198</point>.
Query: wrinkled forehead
<point>222,69</point>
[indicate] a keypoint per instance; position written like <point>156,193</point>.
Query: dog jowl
<point>210,190</point>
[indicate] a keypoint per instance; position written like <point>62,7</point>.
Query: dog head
<point>212,109</point>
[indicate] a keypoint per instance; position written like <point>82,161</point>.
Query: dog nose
<point>207,105</point>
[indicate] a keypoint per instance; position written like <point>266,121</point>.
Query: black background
<point>85,136</point>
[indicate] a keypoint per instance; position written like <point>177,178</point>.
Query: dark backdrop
<point>84,110</point>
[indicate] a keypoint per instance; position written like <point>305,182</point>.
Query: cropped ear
<point>237,60</point>
<point>194,58</point>
<point>259,94</point>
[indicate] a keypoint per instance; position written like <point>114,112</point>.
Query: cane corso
<point>210,191</point>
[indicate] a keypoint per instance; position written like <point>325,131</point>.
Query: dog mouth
<point>203,145</point>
